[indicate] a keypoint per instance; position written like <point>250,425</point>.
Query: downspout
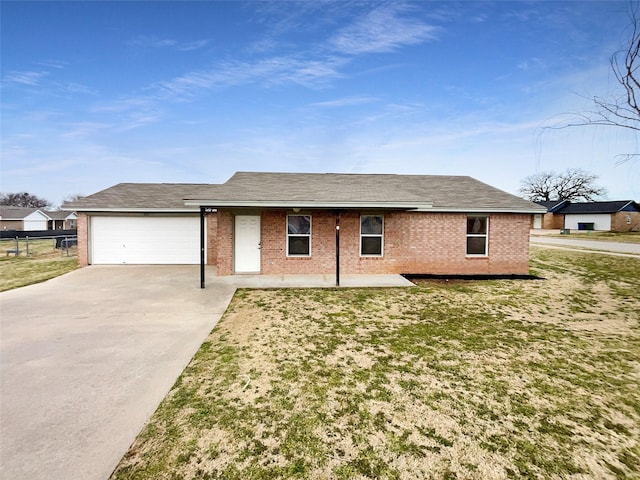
<point>202,247</point>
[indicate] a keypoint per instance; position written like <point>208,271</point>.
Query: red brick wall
<point>12,224</point>
<point>619,222</point>
<point>225,242</point>
<point>83,239</point>
<point>212,238</point>
<point>413,243</point>
<point>553,221</point>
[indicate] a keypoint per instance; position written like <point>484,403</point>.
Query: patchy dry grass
<point>467,380</point>
<point>23,271</point>
<point>624,237</point>
<point>38,260</point>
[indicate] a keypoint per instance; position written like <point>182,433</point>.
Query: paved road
<point>618,247</point>
<point>87,357</point>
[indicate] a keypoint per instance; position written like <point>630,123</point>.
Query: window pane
<point>371,245</point>
<point>300,224</point>
<point>476,224</point>
<point>298,245</point>
<point>476,245</point>
<point>371,224</point>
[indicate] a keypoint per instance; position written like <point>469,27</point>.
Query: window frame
<point>290,235</point>
<point>484,235</point>
<point>372,235</point>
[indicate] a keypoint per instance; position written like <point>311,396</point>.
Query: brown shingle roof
<point>57,214</point>
<point>437,192</point>
<point>139,196</point>
<point>329,190</point>
<point>15,213</point>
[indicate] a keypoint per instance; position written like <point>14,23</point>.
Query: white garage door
<point>599,221</point>
<point>145,240</point>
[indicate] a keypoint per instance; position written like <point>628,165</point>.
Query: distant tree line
<point>25,199</point>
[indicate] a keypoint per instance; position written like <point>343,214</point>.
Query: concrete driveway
<point>87,357</point>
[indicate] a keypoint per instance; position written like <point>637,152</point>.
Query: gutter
<point>131,210</point>
<point>415,207</point>
<point>303,204</point>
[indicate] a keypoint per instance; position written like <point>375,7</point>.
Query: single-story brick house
<point>32,219</point>
<point>617,215</point>
<point>61,220</point>
<point>23,218</point>
<point>550,220</point>
<point>293,223</point>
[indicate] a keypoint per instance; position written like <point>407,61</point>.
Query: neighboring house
<point>61,220</point>
<point>618,216</point>
<point>550,220</point>
<point>22,218</point>
<point>288,223</point>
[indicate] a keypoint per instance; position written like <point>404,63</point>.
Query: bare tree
<point>539,186</point>
<point>573,184</point>
<point>620,109</point>
<point>23,199</point>
<point>73,198</point>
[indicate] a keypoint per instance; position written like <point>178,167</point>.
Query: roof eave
<point>132,210</point>
<point>494,209</point>
<point>305,204</point>
<point>417,207</point>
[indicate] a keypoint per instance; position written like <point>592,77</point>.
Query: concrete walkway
<point>87,357</point>
<point>309,281</point>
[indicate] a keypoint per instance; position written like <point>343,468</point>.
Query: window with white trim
<point>299,235</point>
<point>477,236</point>
<point>371,235</point>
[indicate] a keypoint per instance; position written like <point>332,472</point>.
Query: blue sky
<point>97,93</point>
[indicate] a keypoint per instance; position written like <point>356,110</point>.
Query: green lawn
<point>460,379</point>
<point>23,271</point>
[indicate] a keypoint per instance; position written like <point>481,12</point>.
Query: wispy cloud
<point>188,46</point>
<point>84,129</point>
<point>344,102</point>
<point>127,114</point>
<point>30,78</point>
<point>152,41</point>
<point>531,63</point>
<point>145,41</point>
<point>46,83</point>
<point>270,71</point>
<point>382,30</point>
<point>53,64</point>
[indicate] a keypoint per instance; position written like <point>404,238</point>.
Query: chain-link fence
<point>40,247</point>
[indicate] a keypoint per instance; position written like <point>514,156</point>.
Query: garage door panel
<point>145,240</point>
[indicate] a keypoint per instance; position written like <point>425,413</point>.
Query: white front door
<point>537,220</point>
<point>247,244</point>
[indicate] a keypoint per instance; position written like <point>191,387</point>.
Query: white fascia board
<point>530,211</point>
<point>134,210</point>
<point>307,204</point>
